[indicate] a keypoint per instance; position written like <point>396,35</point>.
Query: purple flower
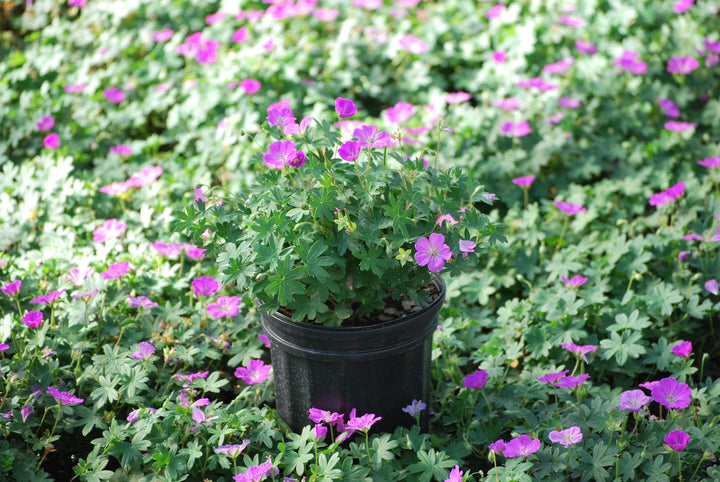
<point>476,380</point>
<point>145,177</point>
<point>232,450</point>
<point>571,382</point>
<point>13,288</point>
<point>280,116</point>
<point>552,377</point>
<point>110,229</point>
<point>710,162</point>
<point>683,255</point>
<point>671,394</point>
<point>415,408</point>
<point>116,270</point>
<point>682,6</point>
<point>692,236</point>
<point>255,372</point>
<point>254,473</point>
<point>559,67</point>
<point>629,63</point>
<point>682,65</point>
<point>467,247</point>
<point>633,400</point>
<point>74,88</point>
<point>142,302</point>
<point>569,102</point>
<point>350,150</point>
<point>134,415</point>
<point>51,141</point>
<point>579,350</point>
<point>510,103</point>
<point>49,298</point>
<point>499,56</point>
<point>413,44</point>
<point>205,286</point>
<point>345,107</point>
<point>115,188</point>
<point>240,35</point>
<point>26,410</point>
<point>4,346</point>
<point>162,35</point>
<point>514,129</point>
<point>455,475</point>
<point>457,97</point>
<point>191,377</point>
<point>677,126</point>
<point>521,446</point>
<point>585,47</point>
<point>524,181</point>
<point>566,438</point>
<point>572,21</point>
<point>264,339</point>
<point>324,416</point>
<point>568,208</point>
<point>279,153</point>
<point>401,112</point>
<point>362,423</point>
<point>33,319</point>
<point>668,196</point>
<point>554,119</point>
<point>432,252</point>
<point>298,160</point>
<point>146,351</point>
<point>46,123</point>
<point>574,282</point>
<point>496,11</point>
<point>669,108</point>
<point>711,285</point>
<point>677,439</point>
<point>250,86</point>
<point>370,137</point>
<point>114,95</point>
<point>319,432</point>
<point>65,398</point>
<point>498,446</point>
<point>682,349</point>
<point>224,306</point>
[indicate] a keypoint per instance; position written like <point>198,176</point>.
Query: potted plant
<point>342,240</point>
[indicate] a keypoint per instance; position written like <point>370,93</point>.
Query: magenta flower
<point>46,123</point>
<point>250,86</point>
<point>432,252</point>
<point>362,423</point>
<point>191,377</point>
<point>51,141</point>
<point>467,246</point>
<point>110,229</point>
<point>572,21</point>
<point>142,302</point>
<point>325,14</point>
<point>324,416</point>
<point>649,385</point>
<point>585,47</point>
<point>116,270</point>
<point>571,382</point>
<point>115,188</point>
<point>298,160</point>
<point>524,181</point>
<point>711,285</point>
<point>476,380</point>
<point>319,432</point>
<point>401,112</point>
<point>114,95</point>
<point>668,196</point>
<point>13,288</point>
<point>521,446</point>
<point>496,11</point>
<point>415,408</point>
<point>498,446</point>
<point>4,346</point>
<point>668,107</point>
<point>345,107</point>
<point>566,438</point>
<point>568,208</point>
<point>457,97</point>
<point>682,65</point>
<point>516,129</point>
<point>264,339</point>
<point>672,394</point>
<point>499,56</point>
<point>682,349</point>
<point>677,439</point>
<point>350,150</point>
<point>232,450</point>
<point>574,282</point>
<point>205,286</point>
<point>121,150</point>
<point>279,153</point>
<point>162,35</point>
<point>368,136</point>
<point>33,319</point>
<point>569,102</point>
<point>455,475</point>
<point>555,119</point>
<point>65,398</point>
<point>633,400</point>
<point>280,116</point>
<point>580,350</point>
<point>683,255</point>
<point>559,67</point>
<point>510,103</point>
<point>552,377</point>
<point>682,6</point>
<point>254,473</point>
<point>145,352</point>
<point>710,162</point>
<point>413,44</point>
<point>26,410</point>
<point>677,126</point>
<point>145,177</point>
<point>49,298</point>
<point>629,63</point>
<point>712,46</point>
<point>77,3</point>
<point>255,372</point>
<point>224,306</point>
<point>240,35</point>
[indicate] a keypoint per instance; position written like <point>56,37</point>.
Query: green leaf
<point>431,464</point>
<point>314,260</point>
<point>635,321</point>
<point>629,344</point>
<point>308,306</point>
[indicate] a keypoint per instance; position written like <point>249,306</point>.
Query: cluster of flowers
<point>145,177</point>
<point>344,429</point>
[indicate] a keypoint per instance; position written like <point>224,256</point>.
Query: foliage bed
<point>83,394</point>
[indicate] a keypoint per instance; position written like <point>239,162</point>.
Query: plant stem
<point>52,432</point>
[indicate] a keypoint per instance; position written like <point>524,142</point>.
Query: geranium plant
<point>340,224</point>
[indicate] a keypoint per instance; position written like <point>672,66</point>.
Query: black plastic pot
<point>376,369</point>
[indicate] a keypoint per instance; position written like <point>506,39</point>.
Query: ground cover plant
<point>585,348</point>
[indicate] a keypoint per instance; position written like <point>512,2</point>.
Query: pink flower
<point>264,339</point>
<point>555,118</point>
<point>46,123</point>
<point>368,136</point>
<point>432,252</point>
<point>476,380</point>
<point>33,319</point>
<point>629,63</point>
<point>682,6</point>
<point>569,102</point>
<point>51,141</point>
<point>214,17</point>
<point>401,112</point>
<point>575,281</point>
<point>566,438</point>
<point>524,181</point>
<point>255,372</point>
<point>110,229</point>
<point>345,107</point>
<point>240,35</point>
<point>572,21</point>
<point>455,475</point>
<point>710,162</point>
<point>167,249</point>
<point>677,126</point>
<point>585,47</point>
<point>250,86</point>
<point>49,298</point>
<point>521,446</point>
<point>518,129</point>
<point>668,107</point>
<point>74,88</point>
<point>580,350</point>
<point>559,67</point>
<point>571,382</point>
<point>326,14</point>
<point>499,56</point>
<point>413,44</point>
<point>77,3</point>
<point>280,116</point>
<point>633,400</point>
<point>13,288</point>
<point>142,302</point>
<point>121,150</point>
<point>498,446</point>
<point>536,83</point>
<point>712,46</point>
<point>682,349</point>
<point>145,177</point>
<point>668,196</point>
<point>496,11</point>
<point>145,352</point>
<point>114,95</point>
<point>115,189</point>
<point>116,270</point>
<point>672,394</point>
<point>677,439</point>
<point>205,286</point>
<point>712,286</point>
<point>510,103</point>
<point>225,306</point>
<point>457,97</point>
<point>65,398</point>
<point>568,208</point>
<point>362,423</point>
<point>552,377</point>
<point>279,153</point>
<point>162,35</point>
<point>682,65</point>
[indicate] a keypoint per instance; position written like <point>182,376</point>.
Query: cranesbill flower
<point>13,288</point>
<point>115,188</point>
<point>368,136</point>
<point>633,400</point>
<point>711,285</point>
<point>232,450</point>
<point>509,103</point>
<point>467,246</point>
<point>240,35</point>
<point>415,408</point>
<point>51,141</point>
<point>362,423</point>
<point>114,95</point>
<point>46,123</point>
<point>254,473</point>
<point>191,377</point>
<point>224,306</point>
<point>555,119</point>
<point>145,177</point>
<point>4,346</point>
<point>521,446</point>
<point>350,150</point>
<point>250,86</point>
<point>167,249</point>
<point>692,236</point>
<point>569,102</point>
<point>279,153</point>
<point>683,255</point>
<point>585,47</point>
<point>145,352</point>
<point>516,129</point>
<point>455,475</point>
<point>432,252</point>
<point>121,150</point>
<point>413,44</point>
<point>280,116</point>
<point>110,229</point>
<point>566,438</point>
<point>49,298</point>
<point>319,432</point>
<point>74,88</point>
<point>345,107</point>
<point>682,6</point>
<point>65,398</point>
<point>499,56</point>
<point>552,377</point>
<point>524,181</point>
<point>401,112</point>
<point>255,372</point>
<point>264,339</point>
<point>710,162</point>
<point>629,63</point>
<point>324,416</point>
<point>677,126</point>
<point>162,35</point>
<point>574,282</point>
<point>682,65</point>
<point>77,3</point>
<point>205,286</point>
<point>326,14</point>
<point>571,382</point>
<point>496,11</point>
<point>668,196</point>
<point>672,394</point>
<point>116,270</point>
<point>568,208</point>
<point>33,319</point>
<point>559,67</point>
<point>26,410</point>
<point>298,160</point>
<point>677,439</point>
<point>682,349</point>
<point>457,97</point>
<point>476,380</point>
<point>668,107</point>
<point>572,21</point>
<point>498,446</point>
<point>580,350</point>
